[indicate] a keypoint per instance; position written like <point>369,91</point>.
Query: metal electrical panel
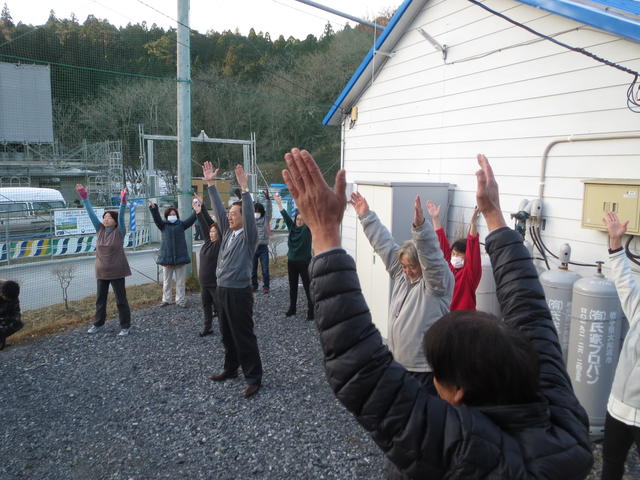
<point>611,195</point>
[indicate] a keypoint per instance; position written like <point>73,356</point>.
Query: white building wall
<point>504,92</point>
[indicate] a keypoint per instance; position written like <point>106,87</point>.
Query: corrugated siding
<point>506,94</point>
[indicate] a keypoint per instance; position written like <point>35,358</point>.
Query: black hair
<point>460,245</point>
<point>10,289</point>
<point>113,214</point>
<point>493,363</point>
<point>259,208</point>
<point>168,211</point>
<point>237,192</point>
<point>239,204</point>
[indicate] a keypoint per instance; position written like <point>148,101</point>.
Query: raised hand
<point>197,203</point>
<point>278,200</point>
<point>433,209</point>
<point>322,208</point>
<point>487,195</point>
<point>123,195</point>
<point>418,216</point>
<point>616,229</point>
<point>151,203</point>
<point>242,178</point>
<point>82,191</point>
<point>209,173</point>
<point>359,204</point>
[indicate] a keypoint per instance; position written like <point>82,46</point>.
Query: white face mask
<point>172,218</point>
<point>256,215</point>
<point>457,262</point>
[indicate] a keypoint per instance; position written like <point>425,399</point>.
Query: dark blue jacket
<point>173,249</point>
<point>426,437</point>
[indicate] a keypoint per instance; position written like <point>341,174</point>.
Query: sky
<point>278,17</point>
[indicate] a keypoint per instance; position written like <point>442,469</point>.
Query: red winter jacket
<point>468,277</point>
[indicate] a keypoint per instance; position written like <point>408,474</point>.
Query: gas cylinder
<point>558,290</point>
<point>486,298</point>
<point>594,344</point>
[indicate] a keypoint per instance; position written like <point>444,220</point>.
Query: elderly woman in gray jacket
<point>422,284</point>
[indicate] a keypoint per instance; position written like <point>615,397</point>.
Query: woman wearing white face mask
<point>464,260</point>
<point>174,255</point>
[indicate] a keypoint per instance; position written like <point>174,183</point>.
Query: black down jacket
<point>173,248</point>
<point>426,437</point>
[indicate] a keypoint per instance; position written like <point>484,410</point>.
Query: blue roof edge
<point>365,63</point>
<point>590,15</point>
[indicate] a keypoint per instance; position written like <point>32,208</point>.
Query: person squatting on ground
<point>463,259</point>
<point>422,284</point>
<point>263,224</point>
<point>622,422</point>
<point>111,262</point>
<point>174,254</point>
<point>10,318</point>
<point>505,407</point>
<point>234,296</point>
<point>208,264</point>
<point>298,258</point>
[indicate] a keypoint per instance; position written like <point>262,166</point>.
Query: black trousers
<point>235,315</point>
<point>208,296</point>
<point>124,313</point>
<point>297,269</point>
<point>618,438</point>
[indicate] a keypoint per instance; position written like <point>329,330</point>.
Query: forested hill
<point>106,80</point>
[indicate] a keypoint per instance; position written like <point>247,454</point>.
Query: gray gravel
<point>76,406</point>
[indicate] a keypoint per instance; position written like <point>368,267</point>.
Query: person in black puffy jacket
<point>505,407</point>
<point>10,318</point>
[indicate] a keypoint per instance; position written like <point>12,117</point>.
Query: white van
<point>27,211</point>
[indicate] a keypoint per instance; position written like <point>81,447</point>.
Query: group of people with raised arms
<point>454,392</point>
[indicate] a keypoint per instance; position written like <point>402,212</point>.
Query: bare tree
<point>65,274</point>
<point>274,242</point>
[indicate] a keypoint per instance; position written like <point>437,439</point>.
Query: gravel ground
<point>104,407</point>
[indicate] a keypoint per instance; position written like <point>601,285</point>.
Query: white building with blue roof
<point>448,79</point>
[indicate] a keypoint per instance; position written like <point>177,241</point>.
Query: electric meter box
<point>611,195</point>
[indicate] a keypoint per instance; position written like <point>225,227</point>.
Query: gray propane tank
<point>486,298</point>
<point>594,345</point>
<point>558,290</point>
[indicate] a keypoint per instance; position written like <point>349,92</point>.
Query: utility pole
<point>184,117</point>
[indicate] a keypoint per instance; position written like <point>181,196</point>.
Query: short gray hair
<point>408,249</point>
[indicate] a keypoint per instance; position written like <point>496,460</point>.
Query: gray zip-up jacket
<point>414,307</point>
<point>236,257</point>
<point>624,400</point>
<point>262,224</point>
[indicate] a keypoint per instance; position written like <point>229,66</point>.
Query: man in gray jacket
<point>422,284</point>
<point>234,295</point>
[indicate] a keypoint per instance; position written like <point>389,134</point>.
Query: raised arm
<point>379,237</point>
<point>434,212</point>
<point>122,226</point>
<point>626,284</point>
<point>287,219</point>
<point>191,219</point>
<point>84,195</point>
<point>248,218</point>
<point>435,269</point>
<point>155,214</point>
<point>521,296</point>
<point>472,261</point>
<point>217,206</point>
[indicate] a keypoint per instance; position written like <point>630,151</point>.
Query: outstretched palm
<point>433,209</point>
<point>359,204</point>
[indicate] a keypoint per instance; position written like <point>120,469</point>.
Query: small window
<point>13,208</point>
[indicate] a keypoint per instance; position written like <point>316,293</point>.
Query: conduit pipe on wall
<point>571,139</point>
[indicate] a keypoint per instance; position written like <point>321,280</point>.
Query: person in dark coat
<point>505,407</point>
<point>10,318</point>
<point>174,255</point>
<point>298,258</point>
<point>208,264</point>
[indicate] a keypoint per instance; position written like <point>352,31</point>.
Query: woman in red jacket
<point>463,258</point>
